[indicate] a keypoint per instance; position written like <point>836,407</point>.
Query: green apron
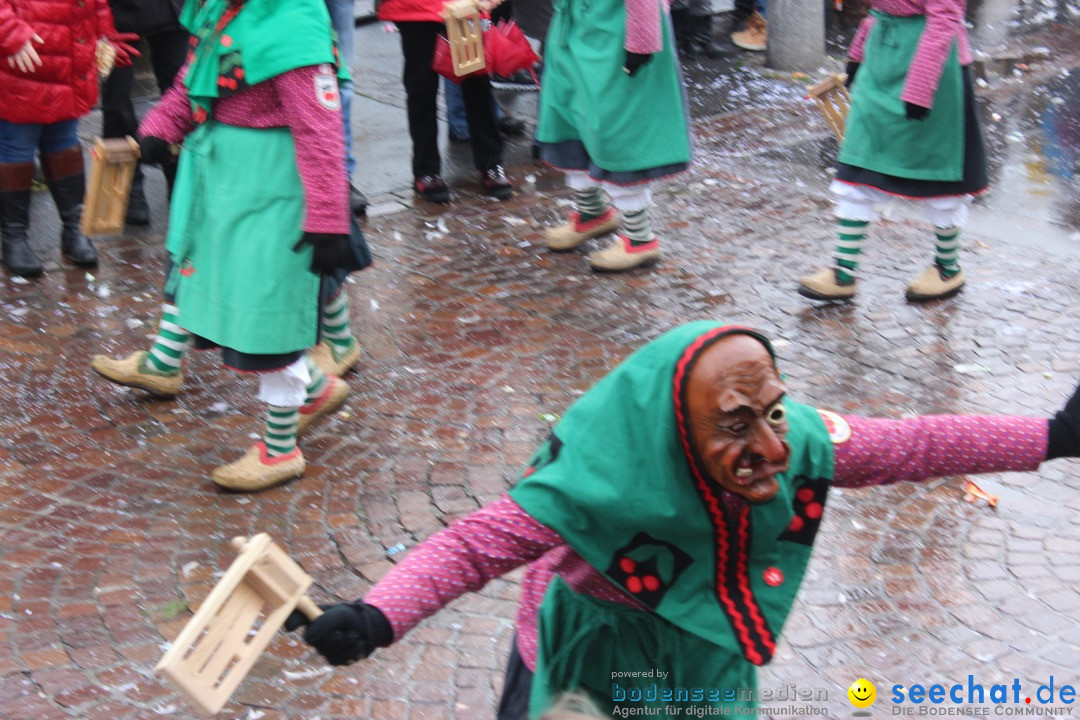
<point>584,640</point>
<point>621,483</point>
<point>236,214</point>
<point>625,123</point>
<point>879,136</point>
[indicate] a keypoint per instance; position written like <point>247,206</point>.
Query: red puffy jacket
<point>411,10</point>
<point>65,87</point>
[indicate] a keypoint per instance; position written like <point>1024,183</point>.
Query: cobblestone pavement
<point>475,338</point>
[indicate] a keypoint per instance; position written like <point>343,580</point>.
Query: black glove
<point>634,61</point>
<point>155,151</point>
<point>851,69</point>
<point>331,251</point>
<point>915,112</point>
<point>1064,440</point>
<point>345,632</point>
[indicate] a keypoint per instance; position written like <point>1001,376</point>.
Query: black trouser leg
<point>421,91</point>
<point>517,684</point>
<point>487,143</point>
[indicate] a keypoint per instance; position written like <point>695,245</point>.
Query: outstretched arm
<point>882,451</point>
<point>458,559</point>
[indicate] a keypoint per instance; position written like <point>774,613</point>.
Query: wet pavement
<point>475,340</point>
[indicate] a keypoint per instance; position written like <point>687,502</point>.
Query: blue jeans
<point>342,17</point>
<point>19,141</point>
<point>455,110</point>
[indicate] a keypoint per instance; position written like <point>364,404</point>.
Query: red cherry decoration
<point>627,565</point>
<point>651,583</point>
<point>633,584</point>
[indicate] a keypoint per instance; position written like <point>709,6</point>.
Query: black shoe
<point>138,210</point>
<point>432,188</point>
<point>496,183</point>
<point>520,80</point>
<point>357,201</point>
<point>511,126</point>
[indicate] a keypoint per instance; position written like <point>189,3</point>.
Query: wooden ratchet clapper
<point>112,166</point>
<point>834,100</point>
<point>466,35</point>
<point>238,619</point>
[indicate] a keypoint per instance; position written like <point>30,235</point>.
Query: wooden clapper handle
<point>306,606</point>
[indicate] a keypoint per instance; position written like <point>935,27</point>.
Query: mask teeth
<point>743,472</point>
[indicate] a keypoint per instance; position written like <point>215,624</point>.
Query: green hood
<point>239,44</point>
<point>620,481</point>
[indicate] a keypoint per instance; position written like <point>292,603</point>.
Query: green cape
<point>622,484</point>
<point>262,40</point>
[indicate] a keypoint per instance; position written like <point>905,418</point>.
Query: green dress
<point>878,136</point>
<point>595,117</point>
<point>238,205</point>
<point>621,484</point>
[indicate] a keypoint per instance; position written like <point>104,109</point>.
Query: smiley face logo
<point>862,693</point>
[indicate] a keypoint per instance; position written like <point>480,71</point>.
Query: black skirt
<point>975,178</point>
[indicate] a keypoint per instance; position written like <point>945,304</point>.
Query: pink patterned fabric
<point>887,451</point>
<point>501,536</point>
<point>645,26</point>
<point>944,24</point>
<point>288,100</point>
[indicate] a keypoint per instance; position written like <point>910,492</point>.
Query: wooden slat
<point>216,649</point>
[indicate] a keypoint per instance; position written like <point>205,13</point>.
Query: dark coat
<point>146,17</point>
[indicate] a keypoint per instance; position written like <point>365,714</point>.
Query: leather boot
<point>18,258</point>
<point>699,36</point>
<point>66,179</point>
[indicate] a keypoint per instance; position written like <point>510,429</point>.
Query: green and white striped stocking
<point>281,425</point>
<point>334,323</point>
<point>947,250</point>
<point>318,381</point>
<point>850,234</point>
<point>171,343</point>
<point>590,203</point>
<point>637,227</point>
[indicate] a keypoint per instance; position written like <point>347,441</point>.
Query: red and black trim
<point>732,535</point>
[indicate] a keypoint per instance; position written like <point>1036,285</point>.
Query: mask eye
<point>776,415</point>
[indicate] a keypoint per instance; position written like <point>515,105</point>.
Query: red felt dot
<point>633,584</point>
<point>796,524</point>
<point>651,583</point>
<point>773,576</point>
<point>239,72</point>
<point>813,510</point>
<point>805,494</point>
<point>627,565</point>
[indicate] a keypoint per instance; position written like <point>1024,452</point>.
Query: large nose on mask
<point>767,442</point>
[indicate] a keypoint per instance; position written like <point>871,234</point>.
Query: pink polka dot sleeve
<point>319,134</point>
<point>170,119</point>
<point>944,27</point>
<point>855,52</point>
<point>882,451</point>
<point>644,25</point>
<point>461,558</point>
